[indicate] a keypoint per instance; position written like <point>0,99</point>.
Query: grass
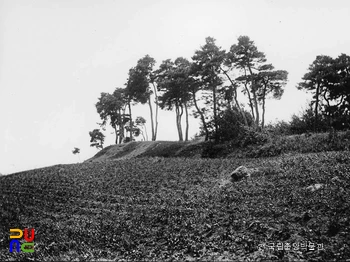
<point>177,209</point>
<point>320,142</point>
<point>273,145</point>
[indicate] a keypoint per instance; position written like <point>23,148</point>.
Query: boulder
<point>314,187</point>
<point>157,159</point>
<point>241,172</point>
<point>336,179</point>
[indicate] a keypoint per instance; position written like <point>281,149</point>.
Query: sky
<point>57,56</point>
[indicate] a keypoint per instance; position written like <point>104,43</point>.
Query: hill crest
<point>148,148</point>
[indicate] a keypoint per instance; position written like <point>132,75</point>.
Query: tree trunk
<point>180,126</point>
<point>120,135</point>
<point>256,109</point>
<point>178,121</point>
<point>187,124</point>
<point>316,106</point>
<point>250,101</point>
<point>130,121</point>
<point>121,126</point>
<point>116,135</point>
<point>156,102</point>
<point>146,132</point>
<point>253,86</point>
<point>202,117</point>
<point>143,136</point>
<point>235,98</point>
<point>239,108</point>
<point>215,113</point>
<point>263,109</point>
<point>151,113</point>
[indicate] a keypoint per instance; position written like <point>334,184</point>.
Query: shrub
<point>212,150</point>
<point>306,122</point>
<point>127,139</point>
<point>231,124</point>
<point>251,136</point>
<point>347,135</point>
<point>279,128</point>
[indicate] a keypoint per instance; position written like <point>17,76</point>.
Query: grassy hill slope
<point>150,149</point>
<point>180,208</point>
<point>254,147</point>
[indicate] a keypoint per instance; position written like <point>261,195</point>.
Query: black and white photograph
<point>162,130</point>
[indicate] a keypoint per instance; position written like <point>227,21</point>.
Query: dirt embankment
<point>149,148</point>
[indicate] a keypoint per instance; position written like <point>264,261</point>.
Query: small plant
<point>76,151</point>
<point>97,138</point>
<point>251,136</point>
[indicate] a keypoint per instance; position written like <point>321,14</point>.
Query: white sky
<point>57,56</point>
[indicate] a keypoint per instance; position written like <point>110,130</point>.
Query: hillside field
<point>177,208</point>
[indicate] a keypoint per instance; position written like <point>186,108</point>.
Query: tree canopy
<point>209,83</point>
<point>97,138</point>
<point>328,80</point>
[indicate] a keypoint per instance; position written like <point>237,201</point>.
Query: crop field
<point>182,209</point>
